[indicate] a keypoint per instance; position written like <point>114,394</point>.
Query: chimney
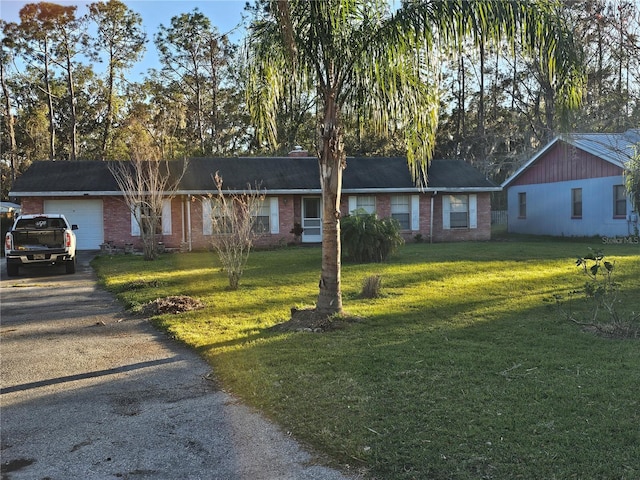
<point>298,152</point>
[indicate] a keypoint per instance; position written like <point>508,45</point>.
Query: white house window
<point>576,203</point>
<point>142,213</point>
<point>262,217</point>
<point>459,211</point>
<point>219,218</point>
<point>366,203</point>
<point>145,219</point>
<point>266,218</point>
<point>401,210</point>
<point>619,201</point>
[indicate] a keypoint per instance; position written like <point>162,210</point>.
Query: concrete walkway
<point>91,393</point>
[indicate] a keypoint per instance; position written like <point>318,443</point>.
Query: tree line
<point>497,104</point>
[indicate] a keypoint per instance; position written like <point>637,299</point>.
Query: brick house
<point>574,186</point>
<point>454,207</point>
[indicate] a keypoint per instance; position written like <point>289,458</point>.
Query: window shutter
<point>135,225</point>
<point>166,216</point>
<point>473,211</point>
<point>446,212</point>
<point>275,215</point>
<point>415,212</point>
<point>207,223</point>
<point>353,203</point>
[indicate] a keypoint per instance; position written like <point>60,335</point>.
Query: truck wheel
<point>12,269</point>
<point>70,265</point>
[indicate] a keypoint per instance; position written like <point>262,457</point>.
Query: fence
<point>498,217</point>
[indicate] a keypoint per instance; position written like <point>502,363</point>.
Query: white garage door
<point>87,214</point>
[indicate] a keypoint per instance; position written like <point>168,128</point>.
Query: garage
<point>87,214</point>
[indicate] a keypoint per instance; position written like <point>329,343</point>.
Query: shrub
<point>601,293</point>
<point>366,238</point>
<point>371,287</point>
<point>235,228</point>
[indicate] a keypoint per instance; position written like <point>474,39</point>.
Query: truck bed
<point>38,239</point>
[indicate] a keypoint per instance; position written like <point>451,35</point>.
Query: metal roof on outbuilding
<point>615,148</point>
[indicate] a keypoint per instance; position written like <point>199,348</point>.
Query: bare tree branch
<point>145,185</point>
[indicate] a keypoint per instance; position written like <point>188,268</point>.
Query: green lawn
<point>464,369</point>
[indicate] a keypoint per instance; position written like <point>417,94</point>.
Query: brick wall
<point>288,205</point>
<point>199,241</point>
<point>31,205</point>
<point>117,223</point>
<point>174,240</point>
<point>425,217</point>
<point>117,220</point>
<point>483,232</point>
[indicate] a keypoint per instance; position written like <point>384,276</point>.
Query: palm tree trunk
<point>331,162</point>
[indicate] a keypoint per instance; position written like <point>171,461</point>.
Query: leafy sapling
<point>603,299</point>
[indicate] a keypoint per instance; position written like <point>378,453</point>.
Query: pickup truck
<point>41,239</point>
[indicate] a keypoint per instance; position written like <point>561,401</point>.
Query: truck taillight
<point>7,242</point>
<point>68,239</point>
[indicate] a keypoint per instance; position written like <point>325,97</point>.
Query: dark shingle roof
<point>271,173</point>
<point>79,176</point>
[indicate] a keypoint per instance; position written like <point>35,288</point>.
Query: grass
<point>462,369</point>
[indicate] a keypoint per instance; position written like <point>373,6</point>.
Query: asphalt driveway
<point>89,392</point>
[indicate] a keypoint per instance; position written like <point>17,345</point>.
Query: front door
<point>312,219</point>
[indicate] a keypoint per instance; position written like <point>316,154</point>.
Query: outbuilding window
<point>522,205</point>
<point>576,203</point>
<point>619,201</point>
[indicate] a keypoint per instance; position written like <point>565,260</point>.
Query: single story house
<point>455,206</point>
<point>574,186</point>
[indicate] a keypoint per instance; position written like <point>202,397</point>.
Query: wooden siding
<point>563,163</point>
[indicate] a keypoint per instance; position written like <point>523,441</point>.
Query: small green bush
<point>602,294</point>
<point>367,238</point>
<point>371,287</point>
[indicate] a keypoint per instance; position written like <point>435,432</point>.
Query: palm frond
<point>383,65</point>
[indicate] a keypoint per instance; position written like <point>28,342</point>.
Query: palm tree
<point>360,56</point>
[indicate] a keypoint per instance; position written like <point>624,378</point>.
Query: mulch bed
<point>174,304</point>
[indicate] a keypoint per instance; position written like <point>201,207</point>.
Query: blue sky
<point>226,15</point>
